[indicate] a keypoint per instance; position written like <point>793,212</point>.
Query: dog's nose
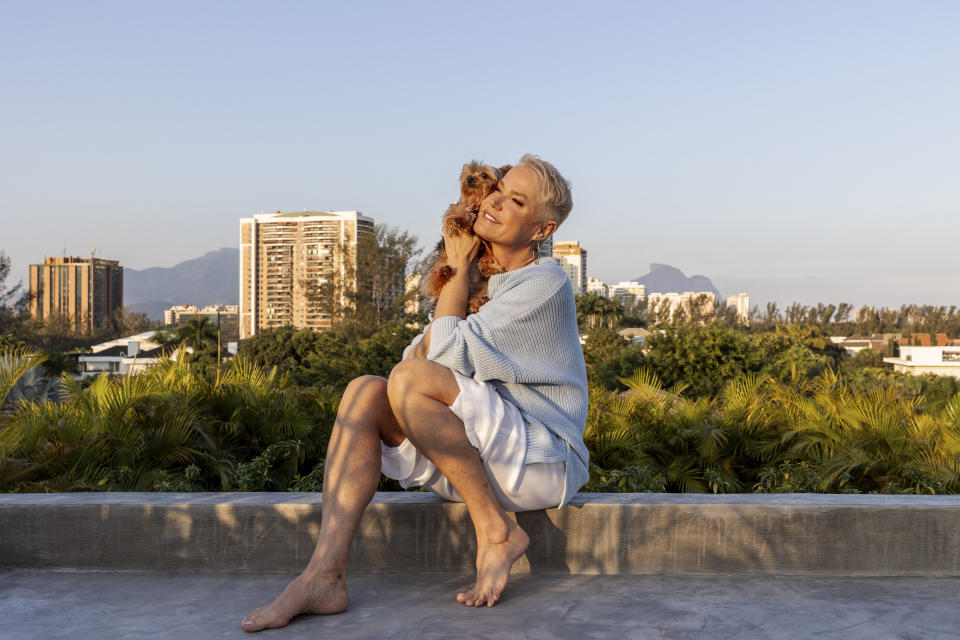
<point>470,181</point>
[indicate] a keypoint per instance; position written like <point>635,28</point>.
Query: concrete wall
<point>404,532</point>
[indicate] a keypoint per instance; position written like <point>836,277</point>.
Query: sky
<point>797,151</point>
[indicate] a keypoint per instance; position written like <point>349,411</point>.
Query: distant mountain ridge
<point>666,279</point>
<point>213,278</point>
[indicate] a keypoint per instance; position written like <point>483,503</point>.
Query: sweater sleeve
<point>493,344</point>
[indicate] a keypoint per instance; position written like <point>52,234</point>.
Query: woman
<point>488,409</point>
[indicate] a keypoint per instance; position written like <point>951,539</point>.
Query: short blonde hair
<point>554,194</point>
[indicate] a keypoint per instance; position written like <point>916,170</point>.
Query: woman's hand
<point>461,250</point>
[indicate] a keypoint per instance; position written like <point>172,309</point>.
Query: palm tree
<point>611,312</point>
<point>589,309</point>
<point>879,440</point>
<point>198,333</point>
<point>14,364</point>
<point>166,338</point>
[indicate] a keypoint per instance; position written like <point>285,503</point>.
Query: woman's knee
<point>420,379</point>
<point>364,393</point>
<point>405,378</point>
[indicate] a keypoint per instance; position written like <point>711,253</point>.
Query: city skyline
<point>798,151</point>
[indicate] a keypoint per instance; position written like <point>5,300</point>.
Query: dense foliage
<point>169,429</point>
<point>761,435</point>
<point>700,406</point>
<point>329,358</point>
<point>187,424</point>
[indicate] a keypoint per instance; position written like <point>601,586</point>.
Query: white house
<point>634,334</point>
<point>132,354</point>
<point>941,360</point>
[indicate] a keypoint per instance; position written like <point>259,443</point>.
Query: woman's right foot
<point>494,559</point>
<point>323,594</point>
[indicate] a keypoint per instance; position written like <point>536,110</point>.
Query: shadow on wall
<point>419,532</point>
<point>643,536</point>
<point>649,538</point>
<point>256,532</point>
<point>547,552</point>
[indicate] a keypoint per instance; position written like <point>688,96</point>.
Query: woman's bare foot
<point>322,594</point>
<point>494,559</point>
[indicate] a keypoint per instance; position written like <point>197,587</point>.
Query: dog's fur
<point>477,180</point>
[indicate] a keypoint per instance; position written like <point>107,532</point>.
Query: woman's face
<point>510,215</point>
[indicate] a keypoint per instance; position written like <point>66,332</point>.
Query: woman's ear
<point>546,230</point>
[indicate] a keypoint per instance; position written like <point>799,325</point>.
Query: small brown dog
<point>477,180</point>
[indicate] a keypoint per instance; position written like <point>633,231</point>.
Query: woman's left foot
<point>494,559</point>
<point>323,594</point>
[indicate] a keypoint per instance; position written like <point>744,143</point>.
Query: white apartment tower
<point>286,257</point>
<point>628,292</point>
<point>701,302</point>
<point>741,304</point>
<point>573,258</point>
<point>598,286</point>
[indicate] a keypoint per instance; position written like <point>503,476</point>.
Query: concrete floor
<point>81,605</point>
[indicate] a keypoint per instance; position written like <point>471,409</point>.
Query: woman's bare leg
<point>349,482</point>
<point>421,393</point>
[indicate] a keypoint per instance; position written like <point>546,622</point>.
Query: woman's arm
<point>461,253</point>
<point>496,342</point>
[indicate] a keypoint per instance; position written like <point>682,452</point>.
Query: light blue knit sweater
<point>525,342</point>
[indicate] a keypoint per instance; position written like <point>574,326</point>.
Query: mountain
<point>666,279</point>
<point>213,278</point>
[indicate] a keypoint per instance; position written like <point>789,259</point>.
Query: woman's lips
<point>490,218</point>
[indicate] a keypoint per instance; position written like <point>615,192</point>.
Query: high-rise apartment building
<point>84,291</point>
<point>598,286</point>
<point>700,303</point>
<point>416,302</point>
<point>546,247</point>
<point>285,261</point>
<point>225,317</point>
<point>740,303</point>
<point>573,258</point>
<point>628,292</point>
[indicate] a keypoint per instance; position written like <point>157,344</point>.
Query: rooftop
<point>125,565</point>
<point>134,605</point>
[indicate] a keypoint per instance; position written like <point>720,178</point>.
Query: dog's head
<point>476,181</point>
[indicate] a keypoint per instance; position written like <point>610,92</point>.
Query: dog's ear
<point>503,170</point>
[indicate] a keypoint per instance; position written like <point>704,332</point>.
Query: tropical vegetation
<point>699,406</point>
<point>172,428</point>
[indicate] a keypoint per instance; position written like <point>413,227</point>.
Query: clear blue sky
<point>795,150</point>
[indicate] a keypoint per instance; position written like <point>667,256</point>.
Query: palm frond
<point>15,363</point>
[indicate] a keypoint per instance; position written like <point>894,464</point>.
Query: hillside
<point>666,279</point>
<point>213,278</point>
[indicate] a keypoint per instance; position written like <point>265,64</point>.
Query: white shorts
<point>494,426</point>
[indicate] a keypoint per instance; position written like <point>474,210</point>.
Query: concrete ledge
<point>625,534</point>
